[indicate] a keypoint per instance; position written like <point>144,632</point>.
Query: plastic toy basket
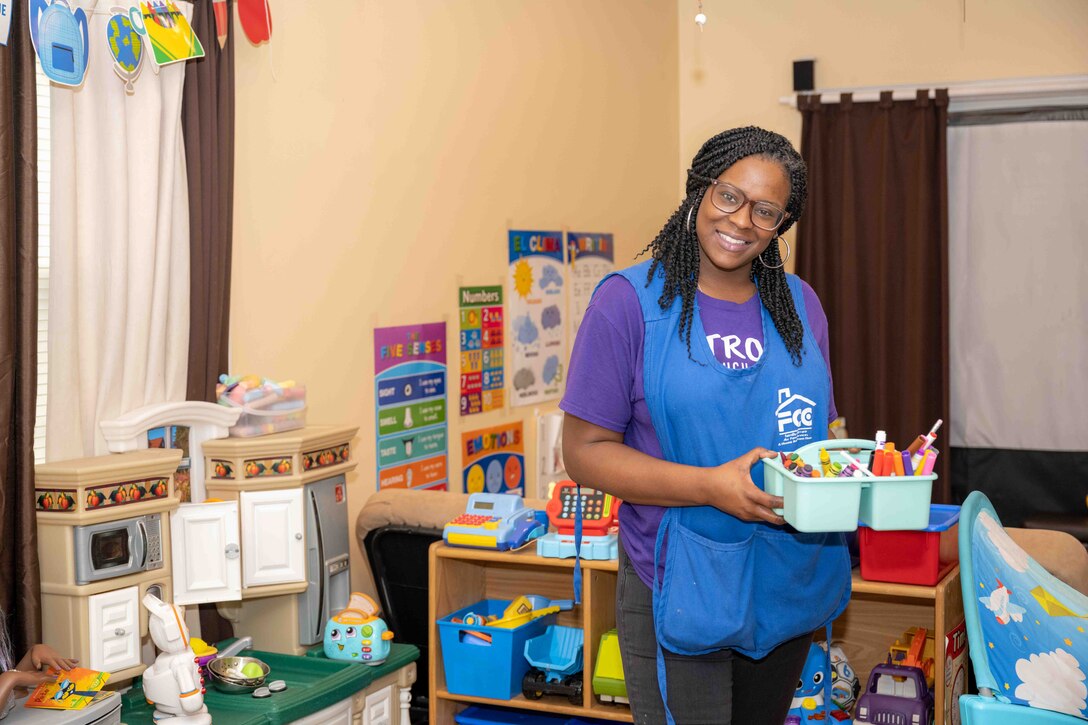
<point>885,503</point>
<point>920,557</point>
<point>481,668</point>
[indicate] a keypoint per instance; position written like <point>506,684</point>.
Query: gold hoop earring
<point>789,251</point>
<point>688,225</point>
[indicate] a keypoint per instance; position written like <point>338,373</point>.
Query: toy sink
<point>312,684</point>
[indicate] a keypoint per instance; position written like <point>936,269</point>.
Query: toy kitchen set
<point>268,542</point>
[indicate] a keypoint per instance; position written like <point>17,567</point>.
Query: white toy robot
<point>173,682</point>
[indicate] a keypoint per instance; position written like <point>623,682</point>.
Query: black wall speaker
<point>804,75</point>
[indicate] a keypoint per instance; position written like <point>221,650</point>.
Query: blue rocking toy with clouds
<point>60,39</point>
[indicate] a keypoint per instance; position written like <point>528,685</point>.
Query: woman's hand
<point>42,655</point>
<point>734,492</point>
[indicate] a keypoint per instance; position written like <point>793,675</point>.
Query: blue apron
<point>729,583</point>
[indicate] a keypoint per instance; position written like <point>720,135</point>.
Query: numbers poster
<point>481,349</point>
<point>410,402</point>
<point>494,459</point>
<point>536,307</point>
<point>590,258</point>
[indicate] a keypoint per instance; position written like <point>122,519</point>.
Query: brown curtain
<point>20,590</point>
<point>873,243</point>
<point>207,123</point>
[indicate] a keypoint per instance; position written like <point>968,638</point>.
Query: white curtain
<point>1018,262</point>
<point>119,299</point>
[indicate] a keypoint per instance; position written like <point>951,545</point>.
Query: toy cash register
<point>598,516</point>
<point>494,521</point>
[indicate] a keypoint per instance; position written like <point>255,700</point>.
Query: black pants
<point>720,688</point>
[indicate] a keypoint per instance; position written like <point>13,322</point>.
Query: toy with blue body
<point>811,695</point>
<point>357,633</point>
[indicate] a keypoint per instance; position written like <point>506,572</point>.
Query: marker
<point>825,460</point>
<point>856,464</point>
<point>908,469</point>
<point>931,459</point>
<point>897,463</point>
<point>920,443</point>
<point>877,468</point>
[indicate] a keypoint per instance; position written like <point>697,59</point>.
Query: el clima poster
<point>536,310</point>
<point>410,402</point>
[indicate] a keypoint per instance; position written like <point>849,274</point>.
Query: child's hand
<point>30,680</point>
<point>44,655</point>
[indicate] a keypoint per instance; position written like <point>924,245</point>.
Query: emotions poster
<point>494,459</point>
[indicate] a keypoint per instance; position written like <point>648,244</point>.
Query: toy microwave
<point>494,521</point>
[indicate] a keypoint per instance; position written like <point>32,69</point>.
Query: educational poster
<point>494,459</point>
<point>536,307</point>
<point>590,258</point>
<point>410,402</point>
<point>481,349</point>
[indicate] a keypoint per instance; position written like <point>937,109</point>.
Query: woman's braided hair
<point>676,248</point>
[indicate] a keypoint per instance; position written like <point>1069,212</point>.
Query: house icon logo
<point>794,414</point>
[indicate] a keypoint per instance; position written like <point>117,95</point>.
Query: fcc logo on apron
<point>794,417</point>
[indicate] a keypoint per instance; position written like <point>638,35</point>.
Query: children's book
<point>73,690</point>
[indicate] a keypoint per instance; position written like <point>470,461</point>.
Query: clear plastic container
<point>272,414</point>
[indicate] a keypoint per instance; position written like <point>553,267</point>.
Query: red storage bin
<point>912,557</point>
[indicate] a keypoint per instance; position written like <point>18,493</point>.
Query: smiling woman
<point>707,570</point>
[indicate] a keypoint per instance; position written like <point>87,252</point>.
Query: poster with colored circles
<point>537,308</point>
<point>494,459</point>
<point>410,402</point>
<point>481,349</point>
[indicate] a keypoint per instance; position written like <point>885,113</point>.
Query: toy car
<point>556,659</point>
<point>895,694</point>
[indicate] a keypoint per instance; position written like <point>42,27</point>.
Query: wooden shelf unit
<point>878,614</point>
<point>460,577</point>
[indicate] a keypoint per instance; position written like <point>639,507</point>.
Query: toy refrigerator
<point>327,570</point>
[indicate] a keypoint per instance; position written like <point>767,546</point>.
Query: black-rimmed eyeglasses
<point>729,199</point>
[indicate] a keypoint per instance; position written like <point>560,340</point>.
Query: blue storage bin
<point>486,669</point>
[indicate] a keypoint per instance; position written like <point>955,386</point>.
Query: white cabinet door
<point>114,629</point>
<point>273,545</point>
<point>207,561</point>
<point>380,707</point>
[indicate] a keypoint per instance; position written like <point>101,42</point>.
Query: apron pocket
<point>804,583</point>
<point>705,602</point>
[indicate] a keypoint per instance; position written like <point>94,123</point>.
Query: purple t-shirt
<point>610,339</point>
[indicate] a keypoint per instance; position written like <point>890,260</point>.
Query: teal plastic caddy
<point>885,503</point>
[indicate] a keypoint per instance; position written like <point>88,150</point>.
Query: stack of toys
<point>268,406</point>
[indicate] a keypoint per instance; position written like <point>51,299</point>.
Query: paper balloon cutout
<point>125,46</point>
<point>171,37</point>
<point>59,36</point>
<point>256,17</point>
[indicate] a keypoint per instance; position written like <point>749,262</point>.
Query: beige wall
<point>733,72</point>
<point>399,140</point>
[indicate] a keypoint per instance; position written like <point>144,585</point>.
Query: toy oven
<point>117,548</point>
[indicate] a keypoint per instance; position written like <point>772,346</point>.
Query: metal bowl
<point>226,676</point>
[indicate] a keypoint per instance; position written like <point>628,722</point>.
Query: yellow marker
<point>825,461</point>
